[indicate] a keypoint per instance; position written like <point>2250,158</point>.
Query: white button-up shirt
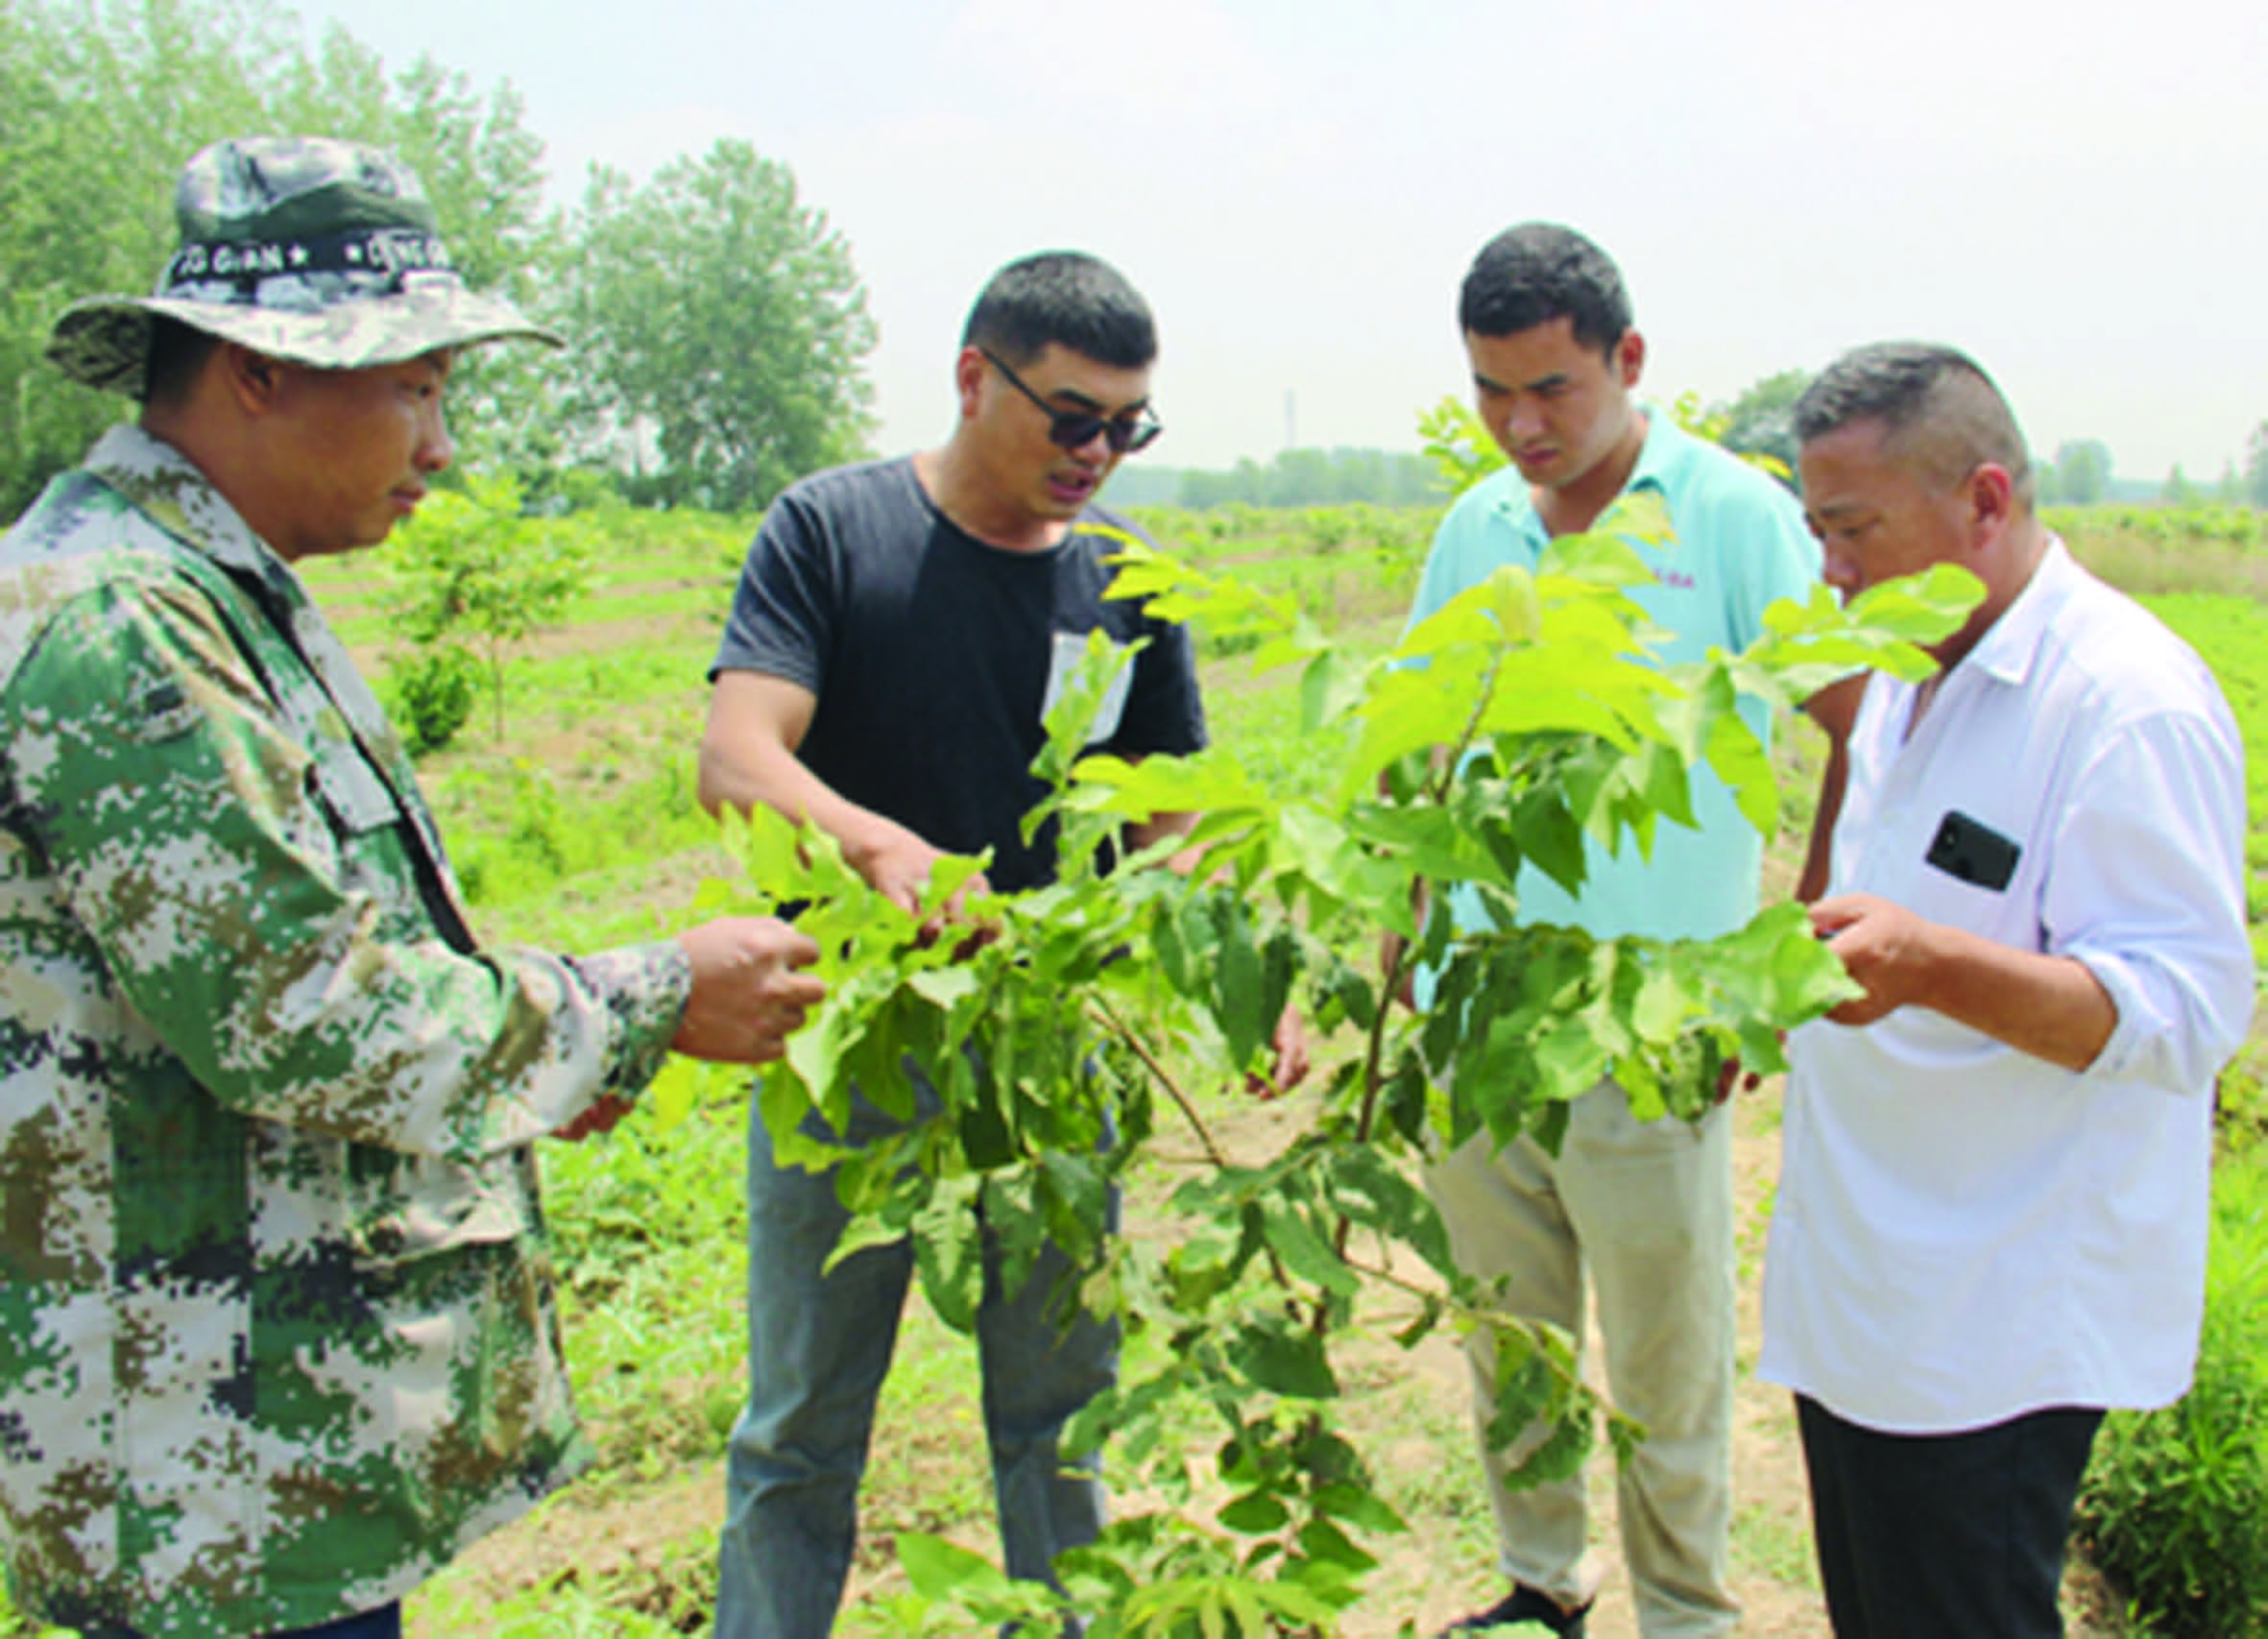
<point>1964,1232</point>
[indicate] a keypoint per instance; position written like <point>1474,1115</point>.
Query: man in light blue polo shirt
<point>1646,1208</point>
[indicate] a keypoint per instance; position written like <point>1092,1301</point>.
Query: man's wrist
<point>1937,968</point>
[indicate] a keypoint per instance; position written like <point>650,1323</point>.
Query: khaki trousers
<point>1644,1211</point>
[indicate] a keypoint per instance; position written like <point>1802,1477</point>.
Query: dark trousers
<point>383,1623</point>
<point>1922,1536</point>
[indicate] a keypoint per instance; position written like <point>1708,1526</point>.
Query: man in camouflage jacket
<point>276,1329</point>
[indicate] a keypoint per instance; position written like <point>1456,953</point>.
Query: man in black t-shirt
<point>898,632</point>
<point>885,668</point>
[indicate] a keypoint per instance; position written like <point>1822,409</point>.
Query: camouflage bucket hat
<point>308,249</point>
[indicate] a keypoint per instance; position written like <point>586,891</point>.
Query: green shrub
<point>1224,646</point>
<point>2174,1507</point>
<point>434,690</point>
<point>471,573</point>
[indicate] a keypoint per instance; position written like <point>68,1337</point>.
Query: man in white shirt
<point>1992,1209</point>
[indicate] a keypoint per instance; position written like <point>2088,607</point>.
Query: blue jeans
<point>818,1348</point>
<point>383,1623</point>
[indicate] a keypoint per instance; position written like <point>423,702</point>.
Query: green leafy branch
<point>1525,717</point>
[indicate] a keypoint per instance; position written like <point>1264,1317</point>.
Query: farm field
<point>578,829</point>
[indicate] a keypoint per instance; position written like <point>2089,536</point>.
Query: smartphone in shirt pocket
<point>1972,851</point>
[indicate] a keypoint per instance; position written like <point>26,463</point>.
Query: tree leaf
<point>858,1236</point>
<point>1360,1184</point>
<point>942,1570</point>
<point>676,1091</point>
<point>1321,1538</point>
<point>1284,1358</point>
<point>1305,1252</point>
<point>949,1254</point>
<point>1240,981</point>
<point>1254,1513</point>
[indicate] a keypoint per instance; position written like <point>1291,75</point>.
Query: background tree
<point>99,106</point>
<point>105,102</point>
<point>472,579</point>
<point>484,170</point>
<point>1304,478</point>
<point>2179,490</point>
<point>723,328</point>
<point>2083,471</point>
<point>1758,421</point>
<point>2255,467</point>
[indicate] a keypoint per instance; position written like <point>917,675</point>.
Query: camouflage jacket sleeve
<point>248,889</point>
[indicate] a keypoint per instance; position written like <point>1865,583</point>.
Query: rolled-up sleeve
<point>2147,890</point>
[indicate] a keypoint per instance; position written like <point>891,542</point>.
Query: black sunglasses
<point>1071,428</point>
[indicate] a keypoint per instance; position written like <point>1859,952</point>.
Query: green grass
<point>703,599</point>
<point>672,1596</point>
<point>653,1268</point>
<point>1769,1542</point>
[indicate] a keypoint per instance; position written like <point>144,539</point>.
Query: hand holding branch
<point>747,994</point>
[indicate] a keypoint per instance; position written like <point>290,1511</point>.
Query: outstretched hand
<point>896,863</point>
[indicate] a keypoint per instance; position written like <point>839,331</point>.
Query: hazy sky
<point>2078,195</point>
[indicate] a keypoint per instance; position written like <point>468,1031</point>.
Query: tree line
<point>1755,422</point>
<point>1291,478</point>
<point>2080,474</point>
<point>719,324</point>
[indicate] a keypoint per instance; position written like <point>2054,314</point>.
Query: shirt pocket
<point>407,1209</point>
<point>2006,915</point>
<point>368,829</point>
<point>1067,652</point>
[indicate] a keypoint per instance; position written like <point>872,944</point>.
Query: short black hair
<point>1069,299</point>
<point>1538,272</point>
<point>177,354</point>
<point>1940,414</point>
